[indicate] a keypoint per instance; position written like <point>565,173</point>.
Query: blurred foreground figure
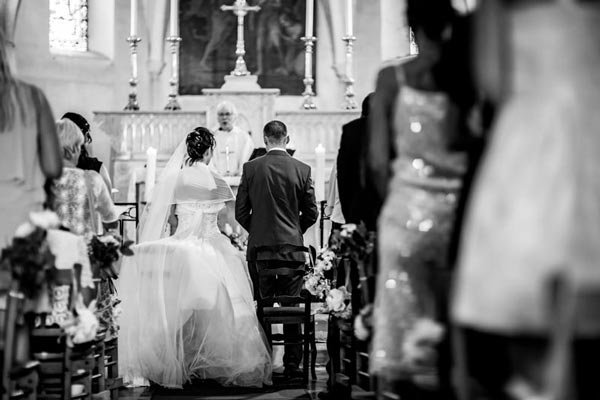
<point>419,113</point>
<point>529,280</point>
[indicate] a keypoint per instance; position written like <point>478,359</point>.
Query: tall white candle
<point>349,20</point>
<point>174,18</point>
<point>150,173</point>
<point>133,18</point>
<point>228,169</point>
<point>320,172</point>
<point>310,12</point>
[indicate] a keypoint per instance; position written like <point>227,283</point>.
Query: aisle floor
<point>282,389</point>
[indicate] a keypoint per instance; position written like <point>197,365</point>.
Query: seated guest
<point>86,161</point>
<point>80,197</point>
<point>234,145</point>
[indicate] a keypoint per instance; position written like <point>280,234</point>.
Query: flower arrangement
<point>314,280</point>
<point>236,238</point>
<point>420,341</point>
<point>28,258</point>
<point>104,251</point>
<point>363,323</point>
<point>83,327</point>
<point>338,303</point>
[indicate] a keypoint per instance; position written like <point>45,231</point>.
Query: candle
<point>349,22</point>
<point>133,21</point>
<point>310,12</point>
<point>174,18</point>
<point>150,173</point>
<point>320,173</point>
<point>227,160</point>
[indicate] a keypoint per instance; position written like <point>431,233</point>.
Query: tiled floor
<point>281,390</point>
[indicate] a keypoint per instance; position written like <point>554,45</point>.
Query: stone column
<point>8,22</point>
<point>394,29</point>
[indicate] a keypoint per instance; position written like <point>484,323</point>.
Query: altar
<point>142,141</point>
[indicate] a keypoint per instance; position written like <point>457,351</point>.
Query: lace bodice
<point>198,219</point>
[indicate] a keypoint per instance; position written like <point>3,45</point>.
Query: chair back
<point>14,304</point>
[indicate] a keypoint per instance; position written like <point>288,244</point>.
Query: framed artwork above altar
<point>274,50</point>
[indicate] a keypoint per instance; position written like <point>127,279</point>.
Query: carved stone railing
<point>132,133</point>
<point>309,128</point>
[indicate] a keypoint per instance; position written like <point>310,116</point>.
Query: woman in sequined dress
<point>418,113</point>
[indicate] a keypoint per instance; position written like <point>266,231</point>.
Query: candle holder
<point>308,81</point>
<point>173,104</point>
<point>132,104</point>
<point>349,101</point>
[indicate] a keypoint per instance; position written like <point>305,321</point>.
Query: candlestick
<point>320,172</point>
<point>150,173</point>
<point>174,18</point>
<point>133,18</point>
<point>349,18</point>
<point>309,94</point>
<point>310,12</point>
<point>173,104</point>
<point>132,104</point>
<point>349,101</point>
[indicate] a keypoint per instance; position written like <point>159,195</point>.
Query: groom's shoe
<point>291,371</point>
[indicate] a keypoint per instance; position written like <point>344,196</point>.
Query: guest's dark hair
<point>453,73</point>
<point>432,16</point>
<point>82,123</point>
<point>197,142</point>
<point>275,131</point>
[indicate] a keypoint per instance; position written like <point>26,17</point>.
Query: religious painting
<point>274,50</point>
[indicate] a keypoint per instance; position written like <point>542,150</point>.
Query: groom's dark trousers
<point>276,204</point>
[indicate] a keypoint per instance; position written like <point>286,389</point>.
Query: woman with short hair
<point>80,197</point>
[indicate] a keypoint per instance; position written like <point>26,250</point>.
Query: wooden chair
<point>62,366</point>
<point>19,377</point>
<point>294,310</point>
<point>111,365</point>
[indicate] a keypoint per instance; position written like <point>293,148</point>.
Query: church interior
<point>451,146</point>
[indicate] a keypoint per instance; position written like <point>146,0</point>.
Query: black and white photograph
<point>299,199</point>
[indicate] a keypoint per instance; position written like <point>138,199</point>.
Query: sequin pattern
<point>415,225</point>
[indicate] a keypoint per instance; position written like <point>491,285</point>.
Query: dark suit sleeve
<point>345,169</point>
<point>380,144</point>
<point>243,207</point>
<point>308,205</point>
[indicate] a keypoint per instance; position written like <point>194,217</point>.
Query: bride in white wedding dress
<point>188,310</point>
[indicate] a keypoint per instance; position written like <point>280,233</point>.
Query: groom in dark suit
<point>276,204</point>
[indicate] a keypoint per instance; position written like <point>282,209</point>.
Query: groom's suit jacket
<point>276,204</point>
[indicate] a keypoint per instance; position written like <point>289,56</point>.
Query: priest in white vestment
<point>234,145</point>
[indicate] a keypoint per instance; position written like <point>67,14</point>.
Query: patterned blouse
<point>81,200</point>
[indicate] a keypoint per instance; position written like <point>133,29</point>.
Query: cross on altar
<point>240,8</point>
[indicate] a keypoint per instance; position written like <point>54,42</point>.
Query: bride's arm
<point>173,220</point>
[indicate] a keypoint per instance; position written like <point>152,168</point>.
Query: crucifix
<point>240,8</point>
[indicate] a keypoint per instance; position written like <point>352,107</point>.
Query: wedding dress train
<point>188,310</point>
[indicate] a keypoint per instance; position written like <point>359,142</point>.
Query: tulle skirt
<point>188,312</point>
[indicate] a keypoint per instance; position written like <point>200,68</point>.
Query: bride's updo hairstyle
<point>197,142</point>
